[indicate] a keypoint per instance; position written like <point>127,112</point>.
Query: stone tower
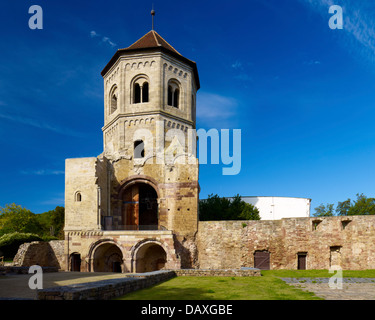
<point>137,202</point>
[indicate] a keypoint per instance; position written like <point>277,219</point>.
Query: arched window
<point>145,92</point>
<point>139,149</point>
<point>170,95</point>
<point>174,94</point>
<point>78,197</point>
<point>176,97</point>
<point>137,93</point>
<point>140,90</point>
<point>113,99</point>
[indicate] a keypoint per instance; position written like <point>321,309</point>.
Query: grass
<point>318,273</point>
<point>267,287</point>
<point>222,288</point>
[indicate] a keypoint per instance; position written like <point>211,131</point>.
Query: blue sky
<point>302,94</point>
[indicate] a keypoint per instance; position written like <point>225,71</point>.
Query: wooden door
<point>262,260</point>
<point>131,207</point>
<point>301,262</point>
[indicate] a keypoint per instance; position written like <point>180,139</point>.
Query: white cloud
<point>243,77</point>
<point>58,201</point>
<point>104,39</point>
<point>312,62</point>
<point>216,110</point>
<point>359,25</point>
<point>40,125</point>
<point>240,68</point>
<point>237,65</point>
<point>107,40</point>
<point>42,172</point>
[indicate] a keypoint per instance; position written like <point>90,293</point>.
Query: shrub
<point>10,242</point>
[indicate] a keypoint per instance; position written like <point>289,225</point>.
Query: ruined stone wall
<point>345,241</point>
<point>44,254</point>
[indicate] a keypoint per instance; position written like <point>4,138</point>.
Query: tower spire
<point>153,15</point>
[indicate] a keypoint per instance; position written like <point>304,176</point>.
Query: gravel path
<point>352,288</point>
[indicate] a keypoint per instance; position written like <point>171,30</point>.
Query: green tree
<point>249,212</point>
<point>15,218</point>
<point>52,223</point>
<point>214,208</point>
<point>324,210</point>
<point>362,206</point>
<point>343,208</point>
<point>220,208</point>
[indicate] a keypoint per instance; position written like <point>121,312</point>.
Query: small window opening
<point>137,93</point>
<point>176,98</point>
<point>170,95</point>
<point>78,197</point>
<point>145,92</point>
<point>139,149</point>
<point>315,224</point>
<point>141,93</point>
<point>173,95</point>
<point>113,103</point>
<point>344,223</point>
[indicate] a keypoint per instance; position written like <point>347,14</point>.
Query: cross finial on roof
<point>153,15</point>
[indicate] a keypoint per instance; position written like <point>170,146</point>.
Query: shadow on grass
<point>170,293</point>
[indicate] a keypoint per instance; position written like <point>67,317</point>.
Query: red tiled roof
<point>151,40</point>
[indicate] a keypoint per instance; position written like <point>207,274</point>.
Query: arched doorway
<point>108,258</point>
<point>75,262</point>
<point>150,257</point>
<point>140,207</point>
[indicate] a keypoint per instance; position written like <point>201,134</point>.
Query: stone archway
<point>140,207</point>
<point>149,256</point>
<point>108,257</point>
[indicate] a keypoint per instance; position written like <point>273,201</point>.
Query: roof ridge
<point>166,42</point>
<point>156,39</point>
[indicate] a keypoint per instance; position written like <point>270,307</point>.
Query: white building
<point>275,208</point>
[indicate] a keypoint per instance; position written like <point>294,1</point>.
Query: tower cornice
<point>159,112</point>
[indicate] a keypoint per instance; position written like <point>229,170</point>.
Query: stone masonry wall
<point>243,272</point>
<point>44,254</point>
<point>345,241</point>
<point>105,289</point>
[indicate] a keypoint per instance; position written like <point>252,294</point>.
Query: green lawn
<point>267,287</point>
<point>318,273</point>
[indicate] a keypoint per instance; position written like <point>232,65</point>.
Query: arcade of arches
<point>108,257</point>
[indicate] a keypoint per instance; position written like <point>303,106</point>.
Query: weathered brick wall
<point>347,241</point>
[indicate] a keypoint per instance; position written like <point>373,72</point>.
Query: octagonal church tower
<point>134,207</point>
